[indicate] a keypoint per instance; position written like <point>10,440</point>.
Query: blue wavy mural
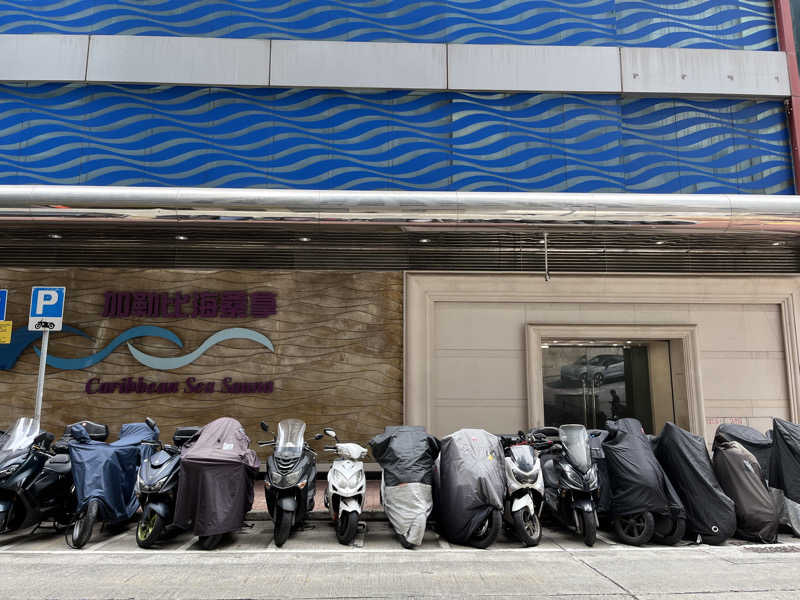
<point>384,140</point>
<point>735,24</point>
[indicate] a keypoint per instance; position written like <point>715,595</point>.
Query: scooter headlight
<point>9,469</point>
<point>285,480</point>
<point>571,475</point>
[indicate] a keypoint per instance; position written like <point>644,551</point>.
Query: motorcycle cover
<point>784,470</point>
<point>471,482</point>
<point>754,441</point>
<point>406,455</point>
<point>684,458</point>
<point>638,483</point>
<point>215,487</point>
<point>740,476</point>
<point>604,498</point>
<point>108,471</point>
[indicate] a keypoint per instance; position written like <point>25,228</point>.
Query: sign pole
<point>40,381</point>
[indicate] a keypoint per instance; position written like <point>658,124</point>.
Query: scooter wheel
<point>209,542</point>
<point>82,530</point>
<point>635,530</point>
<point>283,526</point>
<point>347,527</point>
<point>527,527</point>
<point>149,529</point>
<point>488,531</point>
<point>589,528</point>
<point>675,533</point>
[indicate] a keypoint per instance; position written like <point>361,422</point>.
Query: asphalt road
<point>312,565</point>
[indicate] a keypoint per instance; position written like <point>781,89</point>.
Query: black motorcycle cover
<point>740,476</point>
<point>638,483</point>
<point>754,441</point>
<point>471,482</point>
<point>684,458</point>
<point>215,488</point>
<point>604,495</point>
<point>107,472</point>
<point>406,454</point>
<point>784,470</point>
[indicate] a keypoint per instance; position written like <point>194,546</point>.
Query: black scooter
<point>36,477</point>
<point>157,487</point>
<point>290,481</point>
<point>571,481</point>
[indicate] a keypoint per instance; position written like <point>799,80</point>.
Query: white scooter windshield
<point>575,440</point>
<point>19,437</point>
<point>291,438</point>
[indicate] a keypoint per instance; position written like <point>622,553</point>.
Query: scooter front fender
<point>583,505</point>
<point>287,503</point>
<point>521,502</point>
<point>160,508</point>
<point>349,505</point>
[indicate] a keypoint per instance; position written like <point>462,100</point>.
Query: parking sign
<point>47,308</point>
<point>3,298</point>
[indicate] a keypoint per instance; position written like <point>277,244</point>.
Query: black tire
<point>527,527</point>
<point>589,528</point>
<point>209,542</point>
<point>405,543</point>
<point>671,532</point>
<point>283,526</point>
<point>82,530</point>
<point>635,530</point>
<point>149,529</point>
<point>599,378</point>
<point>488,531</point>
<point>346,527</point>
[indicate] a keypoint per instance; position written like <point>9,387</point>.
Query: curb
<point>367,515</point>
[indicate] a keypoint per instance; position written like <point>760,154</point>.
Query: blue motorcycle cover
<point>108,471</point>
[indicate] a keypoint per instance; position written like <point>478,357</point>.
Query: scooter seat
<point>184,434</point>
<point>60,463</point>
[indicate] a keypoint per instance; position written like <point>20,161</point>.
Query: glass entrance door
<point>593,383</point>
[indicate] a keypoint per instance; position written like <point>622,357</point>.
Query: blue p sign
<point>47,308</point>
<point>3,299</point>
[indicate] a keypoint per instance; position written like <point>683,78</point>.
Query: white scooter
<point>525,495</point>
<point>347,487</point>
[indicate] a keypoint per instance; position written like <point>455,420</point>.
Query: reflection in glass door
<point>591,384</point>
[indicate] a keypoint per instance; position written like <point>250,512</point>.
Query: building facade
<point>450,213</point>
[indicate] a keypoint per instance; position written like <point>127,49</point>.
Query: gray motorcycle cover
<point>754,441</point>
<point>406,454</point>
<point>471,482</point>
<point>784,470</point>
<point>740,476</point>
<point>215,488</point>
<point>684,458</point>
<point>638,483</point>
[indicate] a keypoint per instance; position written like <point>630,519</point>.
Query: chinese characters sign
<point>234,304</point>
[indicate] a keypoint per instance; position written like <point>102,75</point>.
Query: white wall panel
<point>43,57</point>
<point>677,71</point>
<point>533,68</point>
<point>358,64</point>
<point>179,60</point>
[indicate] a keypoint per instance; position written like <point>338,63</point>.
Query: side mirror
<point>264,426</point>
<point>330,432</point>
<point>318,436</point>
<point>43,440</point>
<point>150,423</point>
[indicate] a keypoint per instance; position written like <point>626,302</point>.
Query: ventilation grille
<point>252,246</point>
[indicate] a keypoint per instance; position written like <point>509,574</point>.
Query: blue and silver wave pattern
<point>733,24</point>
<point>140,135</point>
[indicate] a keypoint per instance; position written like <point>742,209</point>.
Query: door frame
<point>685,334</point>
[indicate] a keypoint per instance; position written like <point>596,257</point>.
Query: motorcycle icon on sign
<point>45,325</point>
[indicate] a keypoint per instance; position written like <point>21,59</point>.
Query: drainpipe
<point>786,42</point>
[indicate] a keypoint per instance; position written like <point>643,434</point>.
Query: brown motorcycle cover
<point>215,486</point>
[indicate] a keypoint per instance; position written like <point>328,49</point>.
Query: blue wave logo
<point>21,338</point>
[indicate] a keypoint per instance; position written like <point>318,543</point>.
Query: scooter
<point>157,487</point>
<point>290,481</point>
<point>525,486</point>
<point>571,482</point>
<point>347,486</point>
<point>36,483</point>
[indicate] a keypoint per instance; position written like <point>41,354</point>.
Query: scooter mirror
<point>318,436</point>
<point>264,426</point>
<point>150,423</point>
<point>330,432</point>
